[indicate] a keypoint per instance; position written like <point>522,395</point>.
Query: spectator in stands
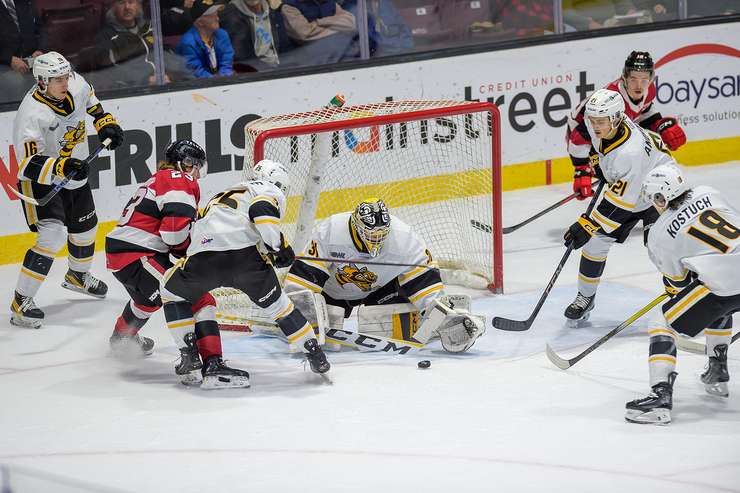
<point>123,47</point>
<point>583,15</point>
<point>206,47</point>
<point>388,32</point>
<point>526,17</point>
<point>20,39</point>
<point>326,31</point>
<point>257,33</point>
<point>176,19</point>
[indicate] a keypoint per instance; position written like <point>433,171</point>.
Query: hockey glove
<point>582,182</point>
<point>66,165</point>
<point>671,133</point>
<point>108,128</point>
<point>580,232</point>
<point>285,256</point>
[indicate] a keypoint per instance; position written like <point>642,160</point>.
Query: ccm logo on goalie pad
<point>369,343</point>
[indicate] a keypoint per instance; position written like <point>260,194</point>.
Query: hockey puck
<point>424,364</point>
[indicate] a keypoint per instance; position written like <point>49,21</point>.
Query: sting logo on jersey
<point>360,277</point>
<point>72,137</point>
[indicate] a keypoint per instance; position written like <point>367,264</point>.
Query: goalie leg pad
<point>397,320</point>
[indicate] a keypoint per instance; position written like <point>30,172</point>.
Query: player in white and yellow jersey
<point>623,153</point>
<point>49,125</point>
<point>695,244</point>
<point>225,251</point>
<point>372,258</point>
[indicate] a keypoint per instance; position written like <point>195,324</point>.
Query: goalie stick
<point>522,325</point>
<point>564,364</point>
<point>58,186</point>
<point>356,340</point>
<point>697,347</point>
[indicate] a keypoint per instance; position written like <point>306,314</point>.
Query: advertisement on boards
<point>698,82</point>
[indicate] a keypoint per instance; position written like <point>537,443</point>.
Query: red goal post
<point>437,164</point>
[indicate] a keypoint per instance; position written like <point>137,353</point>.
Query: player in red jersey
<point>637,88</point>
<point>154,224</point>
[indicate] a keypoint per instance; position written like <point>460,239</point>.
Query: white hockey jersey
<point>45,130</point>
<point>702,236</point>
<point>343,279</point>
<point>625,160</point>
<point>246,215</point>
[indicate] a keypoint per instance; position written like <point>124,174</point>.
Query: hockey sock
<point>589,273</point>
<point>662,360</point>
<point>81,248</point>
<point>208,338</point>
<point>33,272</point>
<point>179,317</point>
<point>133,319</point>
<point>296,328</point>
<point>718,333</point>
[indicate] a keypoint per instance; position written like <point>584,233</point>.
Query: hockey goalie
<point>372,260</point>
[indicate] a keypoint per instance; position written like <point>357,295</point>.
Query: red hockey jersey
<point>643,113</point>
<point>156,219</point>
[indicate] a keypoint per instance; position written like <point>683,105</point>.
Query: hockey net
<point>436,164</point>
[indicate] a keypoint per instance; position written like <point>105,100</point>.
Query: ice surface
<point>499,418</point>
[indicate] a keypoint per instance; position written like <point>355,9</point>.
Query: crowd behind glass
<point>134,43</point>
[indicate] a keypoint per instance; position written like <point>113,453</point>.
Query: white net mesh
<point>434,163</point>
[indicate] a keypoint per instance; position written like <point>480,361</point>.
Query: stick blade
<point>511,325</point>
<point>24,198</point>
<point>556,360</point>
<point>690,346</point>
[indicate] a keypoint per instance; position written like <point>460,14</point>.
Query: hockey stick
<point>358,261</point>
<point>510,229</point>
<point>522,325</point>
<point>367,342</point>
<point>564,364</point>
<point>58,186</point>
<point>697,347</point>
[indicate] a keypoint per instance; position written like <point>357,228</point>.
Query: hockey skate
<point>579,310</point>
<point>656,407</point>
<point>189,363</point>
<point>216,375</point>
<point>25,313</point>
<point>85,283</point>
<point>130,347</point>
<point>716,376</point>
<point>316,357</point>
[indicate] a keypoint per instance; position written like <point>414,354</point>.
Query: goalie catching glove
<point>458,329</point>
<point>580,232</point>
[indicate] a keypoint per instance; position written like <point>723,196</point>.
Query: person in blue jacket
<point>206,47</point>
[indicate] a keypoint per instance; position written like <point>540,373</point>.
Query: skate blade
<point>577,322</point>
<point>658,416</point>
<point>222,382</point>
<point>718,389</point>
<point>129,352</point>
<point>192,379</point>
<point>80,290</point>
<point>28,323</point>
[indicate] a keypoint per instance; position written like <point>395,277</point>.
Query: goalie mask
<point>372,222</point>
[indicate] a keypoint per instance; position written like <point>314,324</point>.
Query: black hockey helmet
<point>186,152</point>
<point>639,61</point>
